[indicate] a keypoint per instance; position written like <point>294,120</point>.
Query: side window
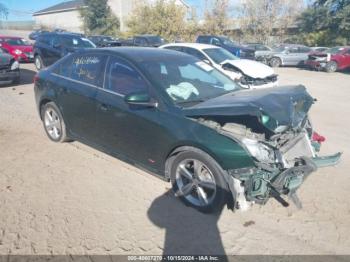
<point>304,49</point>
<point>348,52</point>
<point>54,41</point>
<point>44,39</point>
<point>195,53</point>
<point>87,68</point>
<point>215,41</point>
<point>293,50</point>
<point>261,48</point>
<point>122,78</point>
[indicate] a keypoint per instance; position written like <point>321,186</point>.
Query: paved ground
<point>68,198</point>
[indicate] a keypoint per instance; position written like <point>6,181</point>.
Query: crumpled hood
<point>5,59</point>
<point>251,68</point>
<point>287,105</point>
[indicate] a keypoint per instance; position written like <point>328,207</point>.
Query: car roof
<point>61,34</point>
<point>136,54</point>
<point>198,46</point>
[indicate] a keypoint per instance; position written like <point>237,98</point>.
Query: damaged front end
<point>278,135</point>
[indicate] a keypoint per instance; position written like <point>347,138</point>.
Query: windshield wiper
<point>191,101</point>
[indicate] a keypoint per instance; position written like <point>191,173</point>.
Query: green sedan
<point>184,121</point>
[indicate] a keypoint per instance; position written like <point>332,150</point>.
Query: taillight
<point>35,78</point>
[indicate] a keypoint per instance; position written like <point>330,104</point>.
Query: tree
<point>3,11</point>
<point>163,18</point>
<point>260,19</point>
<point>98,18</point>
<point>326,22</point>
<point>216,17</point>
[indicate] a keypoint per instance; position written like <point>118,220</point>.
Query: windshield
<point>155,39</point>
<point>77,42</point>
<point>227,41</point>
<point>16,41</point>
<point>188,80</point>
<point>219,55</point>
<point>335,50</point>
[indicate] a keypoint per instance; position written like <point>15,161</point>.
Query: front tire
<point>53,122</point>
<point>198,181</point>
<point>331,67</point>
<point>275,62</point>
<point>38,62</point>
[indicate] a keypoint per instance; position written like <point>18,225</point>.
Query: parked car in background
<point>33,35</point>
<point>144,40</point>
<point>104,41</point>
<point>333,59</point>
<point>262,52</point>
<point>248,73</point>
<point>228,44</point>
<point>182,119</point>
<point>319,49</point>
<point>289,55</point>
<point>50,47</point>
<point>18,47</point>
<point>9,68</point>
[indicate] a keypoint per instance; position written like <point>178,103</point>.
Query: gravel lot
<point>71,199</point>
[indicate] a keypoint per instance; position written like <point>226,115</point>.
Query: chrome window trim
<point>87,84</point>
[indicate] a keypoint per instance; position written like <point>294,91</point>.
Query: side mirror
<point>140,99</point>
<point>56,46</point>
<point>287,52</point>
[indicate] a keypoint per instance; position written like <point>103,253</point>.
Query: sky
<point>22,10</point>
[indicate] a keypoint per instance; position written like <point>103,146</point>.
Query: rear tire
<point>275,62</point>
<point>198,181</point>
<point>331,67</point>
<point>38,62</point>
<point>53,122</point>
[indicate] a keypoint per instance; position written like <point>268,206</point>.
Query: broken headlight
<point>272,124</point>
<point>258,150</point>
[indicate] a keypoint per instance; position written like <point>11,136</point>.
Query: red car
<point>336,58</point>
<point>21,50</point>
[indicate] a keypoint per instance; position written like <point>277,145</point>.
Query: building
<point>66,15</point>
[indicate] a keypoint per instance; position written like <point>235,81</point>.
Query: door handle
<point>104,107</point>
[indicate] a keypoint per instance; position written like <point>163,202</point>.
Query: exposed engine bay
<point>283,159</point>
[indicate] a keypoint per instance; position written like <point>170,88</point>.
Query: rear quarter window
<point>87,68</point>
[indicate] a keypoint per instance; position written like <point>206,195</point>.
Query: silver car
<point>289,55</point>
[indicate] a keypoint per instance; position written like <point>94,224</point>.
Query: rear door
<point>79,77</point>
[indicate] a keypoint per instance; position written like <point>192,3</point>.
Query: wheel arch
<point>278,57</point>
<point>182,148</point>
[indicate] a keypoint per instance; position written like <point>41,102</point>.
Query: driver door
<point>131,131</point>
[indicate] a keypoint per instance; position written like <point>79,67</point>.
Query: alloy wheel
<point>37,63</point>
<point>195,182</point>
<point>52,123</point>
